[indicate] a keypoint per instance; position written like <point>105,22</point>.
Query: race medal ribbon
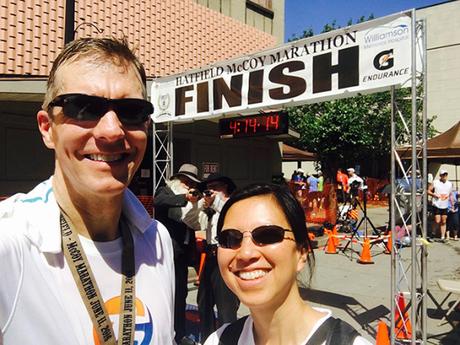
<point>89,291</point>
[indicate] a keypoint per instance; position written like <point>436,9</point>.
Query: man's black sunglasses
<point>261,236</point>
<point>81,107</point>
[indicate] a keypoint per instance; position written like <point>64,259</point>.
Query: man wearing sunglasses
<point>81,262</point>
<point>176,206</point>
<point>212,290</point>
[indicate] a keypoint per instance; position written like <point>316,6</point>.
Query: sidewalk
<point>360,294</point>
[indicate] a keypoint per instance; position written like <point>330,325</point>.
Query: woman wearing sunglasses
<point>263,246</point>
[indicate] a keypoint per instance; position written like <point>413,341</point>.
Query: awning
<point>293,154</point>
<point>444,147</point>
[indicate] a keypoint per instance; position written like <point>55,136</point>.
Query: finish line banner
<point>362,58</point>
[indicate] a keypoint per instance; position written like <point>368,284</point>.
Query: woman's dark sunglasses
<point>261,236</point>
<point>81,107</point>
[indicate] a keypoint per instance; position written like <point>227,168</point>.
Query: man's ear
<point>44,125</point>
<point>147,124</point>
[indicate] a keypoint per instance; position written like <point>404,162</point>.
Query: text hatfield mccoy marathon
<point>372,55</point>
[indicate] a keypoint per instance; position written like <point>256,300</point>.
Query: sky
<point>303,14</point>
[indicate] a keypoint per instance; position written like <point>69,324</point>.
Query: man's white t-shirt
<point>40,303</point>
<point>247,335</point>
<point>357,179</point>
<point>443,189</point>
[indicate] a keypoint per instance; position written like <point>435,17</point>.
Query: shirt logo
<point>144,324</point>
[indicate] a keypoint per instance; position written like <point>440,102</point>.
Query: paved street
<point>360,294</point>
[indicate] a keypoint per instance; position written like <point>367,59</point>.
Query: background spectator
<point>212,290</point>
<point>176,206</point>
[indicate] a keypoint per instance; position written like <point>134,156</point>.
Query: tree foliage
<point>350,131</point>
<point>328,27</point>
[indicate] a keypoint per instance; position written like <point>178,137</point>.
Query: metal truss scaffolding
<point>409,205</point>
<point>162,142</point>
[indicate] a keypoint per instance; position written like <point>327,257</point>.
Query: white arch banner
<point>363,58</point>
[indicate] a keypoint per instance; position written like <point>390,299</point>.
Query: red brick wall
<point>171,35</point>
<point>31,34</point>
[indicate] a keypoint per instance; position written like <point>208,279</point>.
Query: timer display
<point>254,125</point>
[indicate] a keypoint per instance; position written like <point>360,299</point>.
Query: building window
<point>267,4</point>
<point>260,15</point>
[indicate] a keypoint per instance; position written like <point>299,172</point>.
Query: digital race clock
<point>254,125</point>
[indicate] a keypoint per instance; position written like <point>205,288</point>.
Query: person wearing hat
<point>353,180</point>
<point>176,206</point>
<point>212,290</point>
<point>352,177</point>
<point>441,191</point>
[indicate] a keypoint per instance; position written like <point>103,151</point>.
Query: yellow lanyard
<point>89,291</point>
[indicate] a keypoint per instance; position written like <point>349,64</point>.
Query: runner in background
<point>440,191</point>
<point>453,216</point>
<point>342,185</point>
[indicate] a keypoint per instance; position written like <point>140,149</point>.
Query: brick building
<point>170,36</point>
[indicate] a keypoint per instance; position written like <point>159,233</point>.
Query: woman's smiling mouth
<point>251,275</point>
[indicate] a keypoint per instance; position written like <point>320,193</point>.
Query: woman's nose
<point>248,248</point>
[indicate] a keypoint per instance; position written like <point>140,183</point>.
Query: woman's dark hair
<point>291,208</point>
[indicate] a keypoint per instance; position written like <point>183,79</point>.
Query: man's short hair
<point>102,50</point>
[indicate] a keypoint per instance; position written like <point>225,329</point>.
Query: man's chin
<point>107,187</point>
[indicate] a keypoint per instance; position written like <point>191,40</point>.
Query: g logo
<point>384,60</point>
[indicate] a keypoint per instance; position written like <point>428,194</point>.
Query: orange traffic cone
<point>202,263</point>
<point>331,248</point>
<point>365,257</point>
<point>335,232</point>
<point>403,327</point>
<point>383,337</point>
<point>389,244</point>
